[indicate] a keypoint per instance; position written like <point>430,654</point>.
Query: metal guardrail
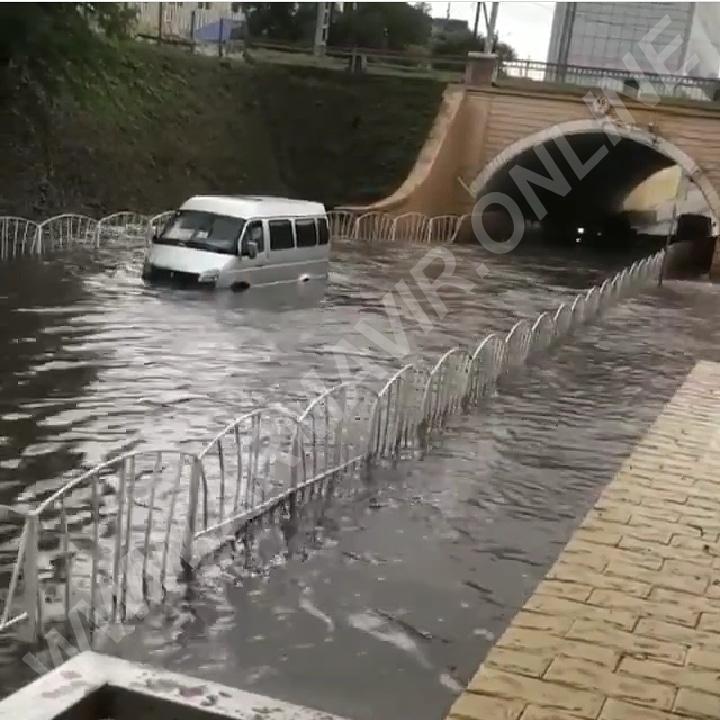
<point>21,236</point>
<point>399,59</point>
<point>412,227</point>
<point>120,534</point>
<point>618,79</point>
<point>18,236</point>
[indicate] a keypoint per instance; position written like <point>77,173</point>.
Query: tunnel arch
<point>665,153</point>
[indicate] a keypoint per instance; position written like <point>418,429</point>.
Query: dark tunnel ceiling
<point>600,193</point>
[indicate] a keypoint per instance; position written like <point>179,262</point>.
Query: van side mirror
<point>248,249</point>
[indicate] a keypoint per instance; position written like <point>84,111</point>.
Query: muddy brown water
<point>388,597</point>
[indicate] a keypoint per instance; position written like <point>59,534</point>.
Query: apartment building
<point>593,34</point>
<point>181,19</point>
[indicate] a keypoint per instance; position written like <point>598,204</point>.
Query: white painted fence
<point>128,527</point>
<point>21,236</point>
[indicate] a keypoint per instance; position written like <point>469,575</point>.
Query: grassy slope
<point>170,125</point>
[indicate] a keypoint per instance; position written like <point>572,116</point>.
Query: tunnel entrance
<point>568,184</point>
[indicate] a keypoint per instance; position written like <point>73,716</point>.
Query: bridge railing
<point>118,536</point>
<point>617,79</point>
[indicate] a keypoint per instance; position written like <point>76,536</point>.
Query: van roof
<point>247,206</point>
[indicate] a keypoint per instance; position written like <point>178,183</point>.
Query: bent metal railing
<point>107,543</point>
<point>341,224</point>
<point>117,538</point>
<point>442,229</point>
<point>124,225</point>
<point>410,227</point>
<point>64,231</point>
<point>20,236</point>
<point>247,471</point>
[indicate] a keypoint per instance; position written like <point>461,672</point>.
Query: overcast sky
<point>524,25</point>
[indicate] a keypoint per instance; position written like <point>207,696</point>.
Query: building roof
<point>248,206</point>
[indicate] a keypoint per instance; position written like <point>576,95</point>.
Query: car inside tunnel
<point>568,188</point>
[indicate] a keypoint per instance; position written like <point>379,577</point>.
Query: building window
<point>281,235</point>
<point>235,8</point>
<point>323,231</point>
<point>204,5</point>
<point>305,233</point>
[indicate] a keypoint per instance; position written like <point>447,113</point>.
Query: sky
<point>524,25</point>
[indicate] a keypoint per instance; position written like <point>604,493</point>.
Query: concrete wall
<point>475,125</point>
<point>433,186</point>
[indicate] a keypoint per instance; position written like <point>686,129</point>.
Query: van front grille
<point>176,277</point>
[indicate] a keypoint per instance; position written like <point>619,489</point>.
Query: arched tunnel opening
<point>570,188</point>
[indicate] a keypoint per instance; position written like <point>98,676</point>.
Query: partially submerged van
<point>240,242</point>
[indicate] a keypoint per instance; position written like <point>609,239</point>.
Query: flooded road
<point>393,592</point>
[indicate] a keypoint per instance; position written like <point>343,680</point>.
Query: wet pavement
<point>398,587</point>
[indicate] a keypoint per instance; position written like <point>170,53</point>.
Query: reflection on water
<point>393,590</point>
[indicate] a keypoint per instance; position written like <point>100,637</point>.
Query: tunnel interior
<point>578,180</point>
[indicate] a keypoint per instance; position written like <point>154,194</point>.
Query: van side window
<point>322,228</point>
<point>281,235</point>
<point>255,234</point>
<point>305,233</point>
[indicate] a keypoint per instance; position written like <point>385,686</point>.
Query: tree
<point>47,45</point>
<point>459,43</point>
<point>52,50</point>
<point>287,21</point>
<point>391,25</point>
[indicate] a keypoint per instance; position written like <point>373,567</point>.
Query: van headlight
<point>209,276</point>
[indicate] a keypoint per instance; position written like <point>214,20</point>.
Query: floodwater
<point>390,595</point>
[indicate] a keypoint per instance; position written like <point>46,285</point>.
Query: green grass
<point>166,125</point>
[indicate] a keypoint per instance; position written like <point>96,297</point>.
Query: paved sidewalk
<point>626,624</point>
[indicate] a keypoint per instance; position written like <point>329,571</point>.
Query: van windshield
<point>203,230</point>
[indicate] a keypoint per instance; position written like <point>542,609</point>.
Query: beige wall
<point>474,126</point>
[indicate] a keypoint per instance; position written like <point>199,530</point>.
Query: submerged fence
<point>412,227</point>
<point>115,540</point>
<point>21,236</point>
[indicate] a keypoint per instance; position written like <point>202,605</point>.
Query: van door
<point>252,254</point>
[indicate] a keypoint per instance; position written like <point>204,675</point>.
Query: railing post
<point>38,240</point>
<point>296,450</point>
<point>29,632</point>
<point>191,522</point>
<point>481,69</point>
